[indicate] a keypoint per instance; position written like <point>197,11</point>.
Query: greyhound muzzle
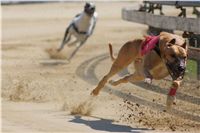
<point>177,68</point>
<point>90,10</point>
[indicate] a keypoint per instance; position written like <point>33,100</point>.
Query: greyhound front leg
<point>148,76</point>
<point>66,39</point>
<point>171,98</point>
<point>63,44</point>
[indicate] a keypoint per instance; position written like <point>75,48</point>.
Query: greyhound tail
<point>111,52</point>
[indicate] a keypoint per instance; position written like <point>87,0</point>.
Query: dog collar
<point>157,49</point>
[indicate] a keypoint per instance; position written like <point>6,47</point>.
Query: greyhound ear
<point>173,41</point>
<point>87,4</point>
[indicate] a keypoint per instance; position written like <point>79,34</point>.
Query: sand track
<point>41,94</point>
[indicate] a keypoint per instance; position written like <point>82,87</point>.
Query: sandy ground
<point>40,94</point>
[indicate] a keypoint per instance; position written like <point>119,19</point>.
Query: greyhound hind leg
<point>77,48</point>
<point>138,75</point>
<point>122,61</point>
<point>130,78</point>
<point>114,69</point>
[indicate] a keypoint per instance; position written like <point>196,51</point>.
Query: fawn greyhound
<point>168,57</point>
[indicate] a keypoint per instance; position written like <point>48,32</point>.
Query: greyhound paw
<point>171,100</point>
<point>94,92</point>
<point>148,80</point>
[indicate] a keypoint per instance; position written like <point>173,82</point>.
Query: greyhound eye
<point>173,56</point>
<point>169,45</point>
<point>184,57</point>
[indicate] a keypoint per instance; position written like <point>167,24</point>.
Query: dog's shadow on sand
<point>106,125</point>
<point>54,62</point>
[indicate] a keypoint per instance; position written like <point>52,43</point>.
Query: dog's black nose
<point>181,68</point>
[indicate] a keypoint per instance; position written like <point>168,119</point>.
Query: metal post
<point>198,69</point>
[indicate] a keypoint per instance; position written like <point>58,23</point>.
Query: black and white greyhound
<point>81,27</point>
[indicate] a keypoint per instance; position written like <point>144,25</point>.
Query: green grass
<point>191,69</point>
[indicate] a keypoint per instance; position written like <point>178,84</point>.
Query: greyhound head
<point>89,8</point>
<point>175,57</point>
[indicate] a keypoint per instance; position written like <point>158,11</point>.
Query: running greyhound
<point>81,27</point>
<point>168,56</point>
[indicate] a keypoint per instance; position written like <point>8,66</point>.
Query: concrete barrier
<point>162,22</point>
